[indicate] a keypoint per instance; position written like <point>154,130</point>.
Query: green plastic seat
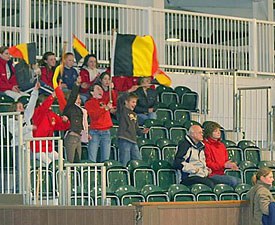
<point>177,134</point>
<point>141,141</point>
<point>150,153</point>
<point>229,143</point>
<point>243,144</point>
<point>164,114</point>
<point>265,163</point>
<point>129,194</point>
<point>225,192</point>
<point>252,154</point>
<point>235,154</point>
<point>234,173</point>
<point>189,100</point>
<point>180,193</point>
<point>5,99</point>
<point>166,175</point>
<point>109,194</point>
<point>163,142</point>
<point>249,169</point>
<point>24,100</point>
<point>153,123</point>
<point>141,173</point>
<point>203,193</point>
<point>182,115</point>
<point>172,123</point>
<point>169,96</point>
<point>153,193</point>
<point>242,190</point>
<point>180,90</point>
<point>161,88</point>
<point>190,123</point>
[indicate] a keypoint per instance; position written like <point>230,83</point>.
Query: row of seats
<point>127,194</point>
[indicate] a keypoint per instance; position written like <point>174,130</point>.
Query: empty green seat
<point>189,100</point>
<point>141,173</point>
<point>235,154</point>
<point>180,90</point>
<point>203,193</point>
<point>242,190</point>
<point>243,144</point>
<point>166,175</point>
<point>249,169</point>
<point>129,194</point>
<point>252,154</point>
<point>225,192</point>
<point>229,143</point>
<point>267,163</point>
<point>180,193</point>
<point>153,193</point>
<point>164,114</point>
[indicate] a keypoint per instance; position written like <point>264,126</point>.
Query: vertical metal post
<point>235,102</point>
<point>25,13</point>
<point>103,185</point>
<point>61,173</point>
<point>27,175</point>
<point>20,152</point>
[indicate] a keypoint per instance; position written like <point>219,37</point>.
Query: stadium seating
<point>180,193</point>
<point>128,194</point>
<point>248,168</point>
<point>225,192</point>
<point>153,193</point>
<point>203,193</point>
<point>242,190</point>
<point>166,175</point>
<point>141,173</point>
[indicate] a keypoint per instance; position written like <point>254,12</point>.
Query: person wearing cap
<point>100,124</point>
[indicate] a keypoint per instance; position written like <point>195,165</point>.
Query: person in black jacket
<point>147,100</point>
<point>76,115</point>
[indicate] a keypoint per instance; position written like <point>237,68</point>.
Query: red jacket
<point>46,122</point>
<point>5,83</point>
<point>216,156</point>
<point>47,75</point>
<point>100,118</point>
<point>85,78</point>
<point>123,83</point>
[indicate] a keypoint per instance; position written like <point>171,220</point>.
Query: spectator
<point>217,157</point>
<point>48,64</point>
<point>46,122</point>
<point>147,99</point>
<point>78,121</point>
<point>190,159</point>
<point>105,80</point>
<point>26,75</point>
<point>128,128</point>
<point>88,74</point>
<point>70,74</point>
<point>8,82</point>
<point>260,196</point>
<point>100,124</point>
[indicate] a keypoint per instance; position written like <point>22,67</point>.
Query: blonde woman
<point>260,196</point>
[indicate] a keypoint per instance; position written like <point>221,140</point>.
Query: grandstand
<point>227,78</point>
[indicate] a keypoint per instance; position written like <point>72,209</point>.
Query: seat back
<point>190,100</point>
<point>225,192</point>
<point>153,193</point>
<point>203,193</point>
<point>235,154</point>
<point>252,154</point>
<point>180,193</point>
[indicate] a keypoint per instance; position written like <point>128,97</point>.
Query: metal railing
<point>204,41</point>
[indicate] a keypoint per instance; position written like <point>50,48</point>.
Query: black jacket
<point>145,101</point>
<point>74,112</point>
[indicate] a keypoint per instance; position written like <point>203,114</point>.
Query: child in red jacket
<point>46,122</point>
<point>100,124</point>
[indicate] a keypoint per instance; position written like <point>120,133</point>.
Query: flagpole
<point>114,34</point>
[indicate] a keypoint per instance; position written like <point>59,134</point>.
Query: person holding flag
<point>8,82</point>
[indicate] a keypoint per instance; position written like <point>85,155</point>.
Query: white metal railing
<point>50,181</point>
<point>204,41</point>
<point>10,153</point>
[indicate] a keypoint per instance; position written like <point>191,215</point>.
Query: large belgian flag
<point>26,51</point>
<point>134,56</point>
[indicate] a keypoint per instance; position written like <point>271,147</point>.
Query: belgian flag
<point>26,51</point>
<point>80,50</point>
<point>136,56</point>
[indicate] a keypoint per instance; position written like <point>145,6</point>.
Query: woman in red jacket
<point>88,74</point>
<point>46,122</point>
<point>8,82</point>
<point>48,64</point>
<point>216,155</point>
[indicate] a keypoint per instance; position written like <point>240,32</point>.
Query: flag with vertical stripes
<point>26,51</point>
<point>79,48</point>
<point>136,56</point>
